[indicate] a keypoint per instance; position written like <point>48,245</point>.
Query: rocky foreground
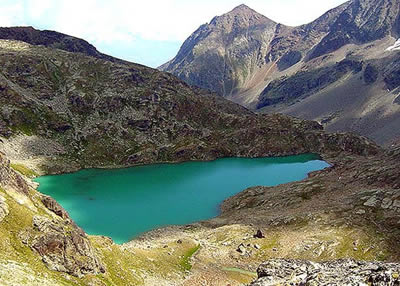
<point>342,272</point>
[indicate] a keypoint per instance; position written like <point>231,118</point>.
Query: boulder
<point>53,206</point>
<point>259,234</point>
<point>241,249</point>
<point>341,272</point>
<point>64,247</point>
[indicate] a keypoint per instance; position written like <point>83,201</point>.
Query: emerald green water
<point>123,203</point>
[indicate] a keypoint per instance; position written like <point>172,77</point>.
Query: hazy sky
<point>145,31</point>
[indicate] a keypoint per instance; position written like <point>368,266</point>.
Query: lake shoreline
<point>175,185</point>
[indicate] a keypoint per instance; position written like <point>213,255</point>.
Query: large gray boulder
<point>340,272</point>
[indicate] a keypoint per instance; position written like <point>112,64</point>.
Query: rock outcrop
<point>9,179</point>
<point>60,243</point>
<point>340,272</point>
<point>64,247</point>
<point>52,205</point>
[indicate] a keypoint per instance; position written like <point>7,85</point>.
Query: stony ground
<point>341,272</point>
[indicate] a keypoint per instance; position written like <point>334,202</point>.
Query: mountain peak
<point>242,14</point>
<point>244,10</point>
<point>242,7</point>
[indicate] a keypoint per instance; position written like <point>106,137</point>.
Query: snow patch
<point>395,47</point>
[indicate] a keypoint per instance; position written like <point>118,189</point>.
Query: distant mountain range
<point>343,69</point>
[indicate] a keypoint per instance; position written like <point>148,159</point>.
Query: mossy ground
<point>24,170</point>
<point>13,249</point>
<point>163,261</point>
<point>185,263</point>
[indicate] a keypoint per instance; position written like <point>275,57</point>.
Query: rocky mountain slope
<point>304,71</point>
<point>52,39</point>
<point>223,54</point>
<point>62,111</point>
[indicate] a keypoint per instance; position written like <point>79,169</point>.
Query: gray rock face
<point>221,55</point>
<point>340,272</point>
<point>361,22</point>
<point>275,68</point>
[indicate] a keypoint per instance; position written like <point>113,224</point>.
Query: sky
<point>149,32</point>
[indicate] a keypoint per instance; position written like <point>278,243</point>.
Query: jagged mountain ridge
<point>352,22</point>
<point>362,21</point>
<point>356,31</point>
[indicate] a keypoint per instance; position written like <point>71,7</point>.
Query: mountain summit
<point>222,54</point>
<point>244,11</point>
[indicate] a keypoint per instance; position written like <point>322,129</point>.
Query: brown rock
<point>55,207</point>
<point>65,247</point>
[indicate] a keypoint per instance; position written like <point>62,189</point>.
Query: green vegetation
<point>241,271</point>
<point>185,262</point>
<point>12,248</point>
<point>25,121</point>
<point>24,170</point>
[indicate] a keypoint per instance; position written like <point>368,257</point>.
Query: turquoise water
<point>123,203</point>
